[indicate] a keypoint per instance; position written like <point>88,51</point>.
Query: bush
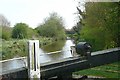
<point>52,27</point>
<point>20,31</point>
<point>11,49</point>
<point>6,32</point>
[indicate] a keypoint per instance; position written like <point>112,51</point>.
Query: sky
<point>33,12</point>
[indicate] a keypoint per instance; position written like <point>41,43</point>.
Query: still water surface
<point>44,57</point>
<point>64,46</point>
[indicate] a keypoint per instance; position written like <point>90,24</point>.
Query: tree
<point>78,27</point>
<point>20,31</point>
<point>4,21</point>
<point>31,33</point>
<point>52,27</point>
<point>102,21</point>
<point>5,30</point>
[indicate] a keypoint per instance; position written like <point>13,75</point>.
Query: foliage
<point>18,48</point>
<point>5,32</point>
<point>31,33</point>
<point>78,27</point>
<point>52,27</point>
<point>13,48</point>
<point>20,31</point>
<point>0,31</point>
<point>101,25</point>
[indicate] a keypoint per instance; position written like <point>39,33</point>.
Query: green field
<point>106,71</point>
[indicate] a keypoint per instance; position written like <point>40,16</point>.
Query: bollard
<point>33,60</point>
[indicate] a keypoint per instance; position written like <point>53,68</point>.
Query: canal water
<point>64,46</point>
<point>62,49</point>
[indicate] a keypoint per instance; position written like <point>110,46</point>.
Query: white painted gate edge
<point>33,59</point>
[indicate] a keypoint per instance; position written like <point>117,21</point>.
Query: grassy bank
<point>13,48</point>
<point>107,71</point>
<point>18,47</point>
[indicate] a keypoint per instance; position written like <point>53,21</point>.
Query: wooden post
<point>33,60</point>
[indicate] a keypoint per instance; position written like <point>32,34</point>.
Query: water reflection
<point>56,46</point>
<point>63,46</point>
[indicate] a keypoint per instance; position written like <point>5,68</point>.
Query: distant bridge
<point>63,68</point>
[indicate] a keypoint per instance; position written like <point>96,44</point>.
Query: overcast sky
<point>33,12</point>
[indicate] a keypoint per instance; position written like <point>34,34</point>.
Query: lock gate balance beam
<point>72,64</point>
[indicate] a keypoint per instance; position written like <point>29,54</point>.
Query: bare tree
<point>4,21</point>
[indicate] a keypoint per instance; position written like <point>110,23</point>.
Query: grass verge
<point>107,71</point>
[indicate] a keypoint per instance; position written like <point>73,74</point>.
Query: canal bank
<point>72,64</point>
<point>44,56</point>
<point>18,48</point>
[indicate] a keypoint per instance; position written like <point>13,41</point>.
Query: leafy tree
<point>78,27</point>
<point>52,27</point>
<point>5,30</point>
<point>20,31</point>
<point>31,33</point>
<point>102,21</point>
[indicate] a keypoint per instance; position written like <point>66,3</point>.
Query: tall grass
<point>18,47</point>
<point>13,48</point>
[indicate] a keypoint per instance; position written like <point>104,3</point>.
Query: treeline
<point>99,25</point>
<point>19,31</point>
<point>52,27</point>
